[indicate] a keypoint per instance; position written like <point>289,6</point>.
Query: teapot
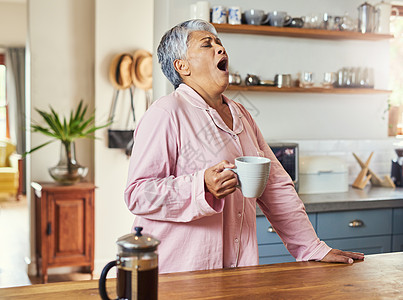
<point>383,13</point>
<point>366,18</point>
<point>137,267</point>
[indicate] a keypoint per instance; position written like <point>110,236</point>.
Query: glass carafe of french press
<point>137,267</point>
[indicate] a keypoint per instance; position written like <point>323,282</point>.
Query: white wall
<point>61,35</point>
<point>298,116</point>
<point>13,23</point>
<point>61,43</point>
<point>121,26</point>
<point>72,44</point>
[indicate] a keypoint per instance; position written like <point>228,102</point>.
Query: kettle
<point>366,18</point>
<point>137,267</point>
<point>383,13</point>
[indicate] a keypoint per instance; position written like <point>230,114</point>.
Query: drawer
<point>272,250</point>
<point>397,220</point>
<point>368,223</point>
<point>397,242</point>
<point>276,259</point>
<point>366,245</point>
<point>265,236</point>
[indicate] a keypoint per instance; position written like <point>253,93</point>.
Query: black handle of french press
<point>102,280</point>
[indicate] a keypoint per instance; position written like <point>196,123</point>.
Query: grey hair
<point>174,45</point>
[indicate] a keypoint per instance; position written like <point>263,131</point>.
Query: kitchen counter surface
<point>379,276</point>
<point>353,199</point>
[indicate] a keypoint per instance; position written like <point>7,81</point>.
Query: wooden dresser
<point>64,221</point>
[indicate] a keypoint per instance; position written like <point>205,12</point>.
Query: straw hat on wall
<point>142,69</point>
<point>120,71</point>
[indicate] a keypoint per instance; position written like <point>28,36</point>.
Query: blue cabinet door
<point>397,243</point>
<point>366,245</point>
<point>398,221</point>
<point>277,259</point>
<point>271,248</point>
<point>266,234</point>
<point>357,223</point>
<point>273,254</point>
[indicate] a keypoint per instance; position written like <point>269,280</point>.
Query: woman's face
<point>207,61</point>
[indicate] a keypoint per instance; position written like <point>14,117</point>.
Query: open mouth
<point>223,64</point>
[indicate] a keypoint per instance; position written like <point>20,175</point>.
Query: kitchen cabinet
<point>271,248</point>
<point>369,231</point>
<point>397,243</point>
<point>302,33</point>
<point>64,218</point>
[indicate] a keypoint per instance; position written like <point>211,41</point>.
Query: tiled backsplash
<point>381,160</point>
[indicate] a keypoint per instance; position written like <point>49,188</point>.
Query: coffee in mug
<point>253,174</point>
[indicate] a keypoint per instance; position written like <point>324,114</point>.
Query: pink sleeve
<point>285,210</point>
<point>152,191</point>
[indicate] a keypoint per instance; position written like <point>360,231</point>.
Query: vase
<point>393,120</point>
<point>68,171</point>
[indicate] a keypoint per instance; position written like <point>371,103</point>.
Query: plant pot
<point>68,171</point>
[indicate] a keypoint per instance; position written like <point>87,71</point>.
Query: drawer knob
<point>271,229</point>
<point>356,223</point>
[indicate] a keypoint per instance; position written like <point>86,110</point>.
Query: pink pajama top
<point>177,139</point>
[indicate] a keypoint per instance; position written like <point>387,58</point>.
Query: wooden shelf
<point>300,32</point>
<point>316,90</point>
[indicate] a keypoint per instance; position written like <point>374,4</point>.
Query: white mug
<point>253,174</point>
<point>193,11</point>
<point>219,15</point>
<point>234,15</point>
<point>203,10</point>
<point>255,17</point>
<point>279,18</point>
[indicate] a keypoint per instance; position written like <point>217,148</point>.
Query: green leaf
<point>49,120</point>
<point>37,147</point>
<point>77,126</point>
<point>78,110</point>
<point>44,131</point>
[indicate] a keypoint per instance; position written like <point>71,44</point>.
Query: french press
<point>137,267</point>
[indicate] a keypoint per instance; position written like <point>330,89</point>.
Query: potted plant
<point>67,171</point>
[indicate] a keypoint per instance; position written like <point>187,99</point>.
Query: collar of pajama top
<point>196,100</point>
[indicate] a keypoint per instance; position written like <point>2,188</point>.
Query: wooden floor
<point>14,247</point>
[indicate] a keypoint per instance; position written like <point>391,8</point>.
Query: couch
<point>9,175</point>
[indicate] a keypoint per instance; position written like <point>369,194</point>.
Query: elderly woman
<point>177,185</point>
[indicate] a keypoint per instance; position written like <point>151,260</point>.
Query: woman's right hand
<point>220,183</point>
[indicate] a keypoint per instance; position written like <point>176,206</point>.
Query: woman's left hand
<point>339,256</point>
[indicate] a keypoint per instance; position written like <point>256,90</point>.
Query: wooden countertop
<point>379,276</point>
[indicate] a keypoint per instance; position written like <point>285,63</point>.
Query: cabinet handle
<point>49,228</point>
<point>271,229</point>
<point>356,223</point>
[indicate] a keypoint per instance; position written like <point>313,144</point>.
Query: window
<point>3,101</point>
